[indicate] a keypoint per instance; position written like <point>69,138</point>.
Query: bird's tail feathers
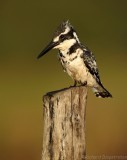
<point>101,92</point>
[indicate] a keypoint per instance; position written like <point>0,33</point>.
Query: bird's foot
<point>83,84</point>
<point>75,84</point>
<point>79,84</point>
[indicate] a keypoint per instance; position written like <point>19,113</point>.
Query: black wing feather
<point>90,62</point>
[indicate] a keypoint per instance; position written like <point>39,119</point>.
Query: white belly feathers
<point>75,67</point>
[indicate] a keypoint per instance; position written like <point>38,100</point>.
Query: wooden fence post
<point>64,124</point>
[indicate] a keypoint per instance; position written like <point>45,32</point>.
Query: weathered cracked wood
<point>64,124</point>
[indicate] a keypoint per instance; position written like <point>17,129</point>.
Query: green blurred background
<point>25,29</point>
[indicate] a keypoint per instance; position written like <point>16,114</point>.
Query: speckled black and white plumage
<point>77,60</point>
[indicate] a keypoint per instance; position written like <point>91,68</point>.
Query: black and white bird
<point>77,60</point>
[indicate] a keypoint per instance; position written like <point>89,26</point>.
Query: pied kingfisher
<point>77,60</point>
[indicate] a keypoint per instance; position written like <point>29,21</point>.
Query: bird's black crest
<point>61,28</point>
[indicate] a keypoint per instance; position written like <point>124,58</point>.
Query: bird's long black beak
<point>47,48</point>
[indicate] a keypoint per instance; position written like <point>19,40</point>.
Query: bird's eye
<point>62,37</point>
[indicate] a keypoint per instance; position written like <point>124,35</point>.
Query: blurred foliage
<point>26,27</point>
